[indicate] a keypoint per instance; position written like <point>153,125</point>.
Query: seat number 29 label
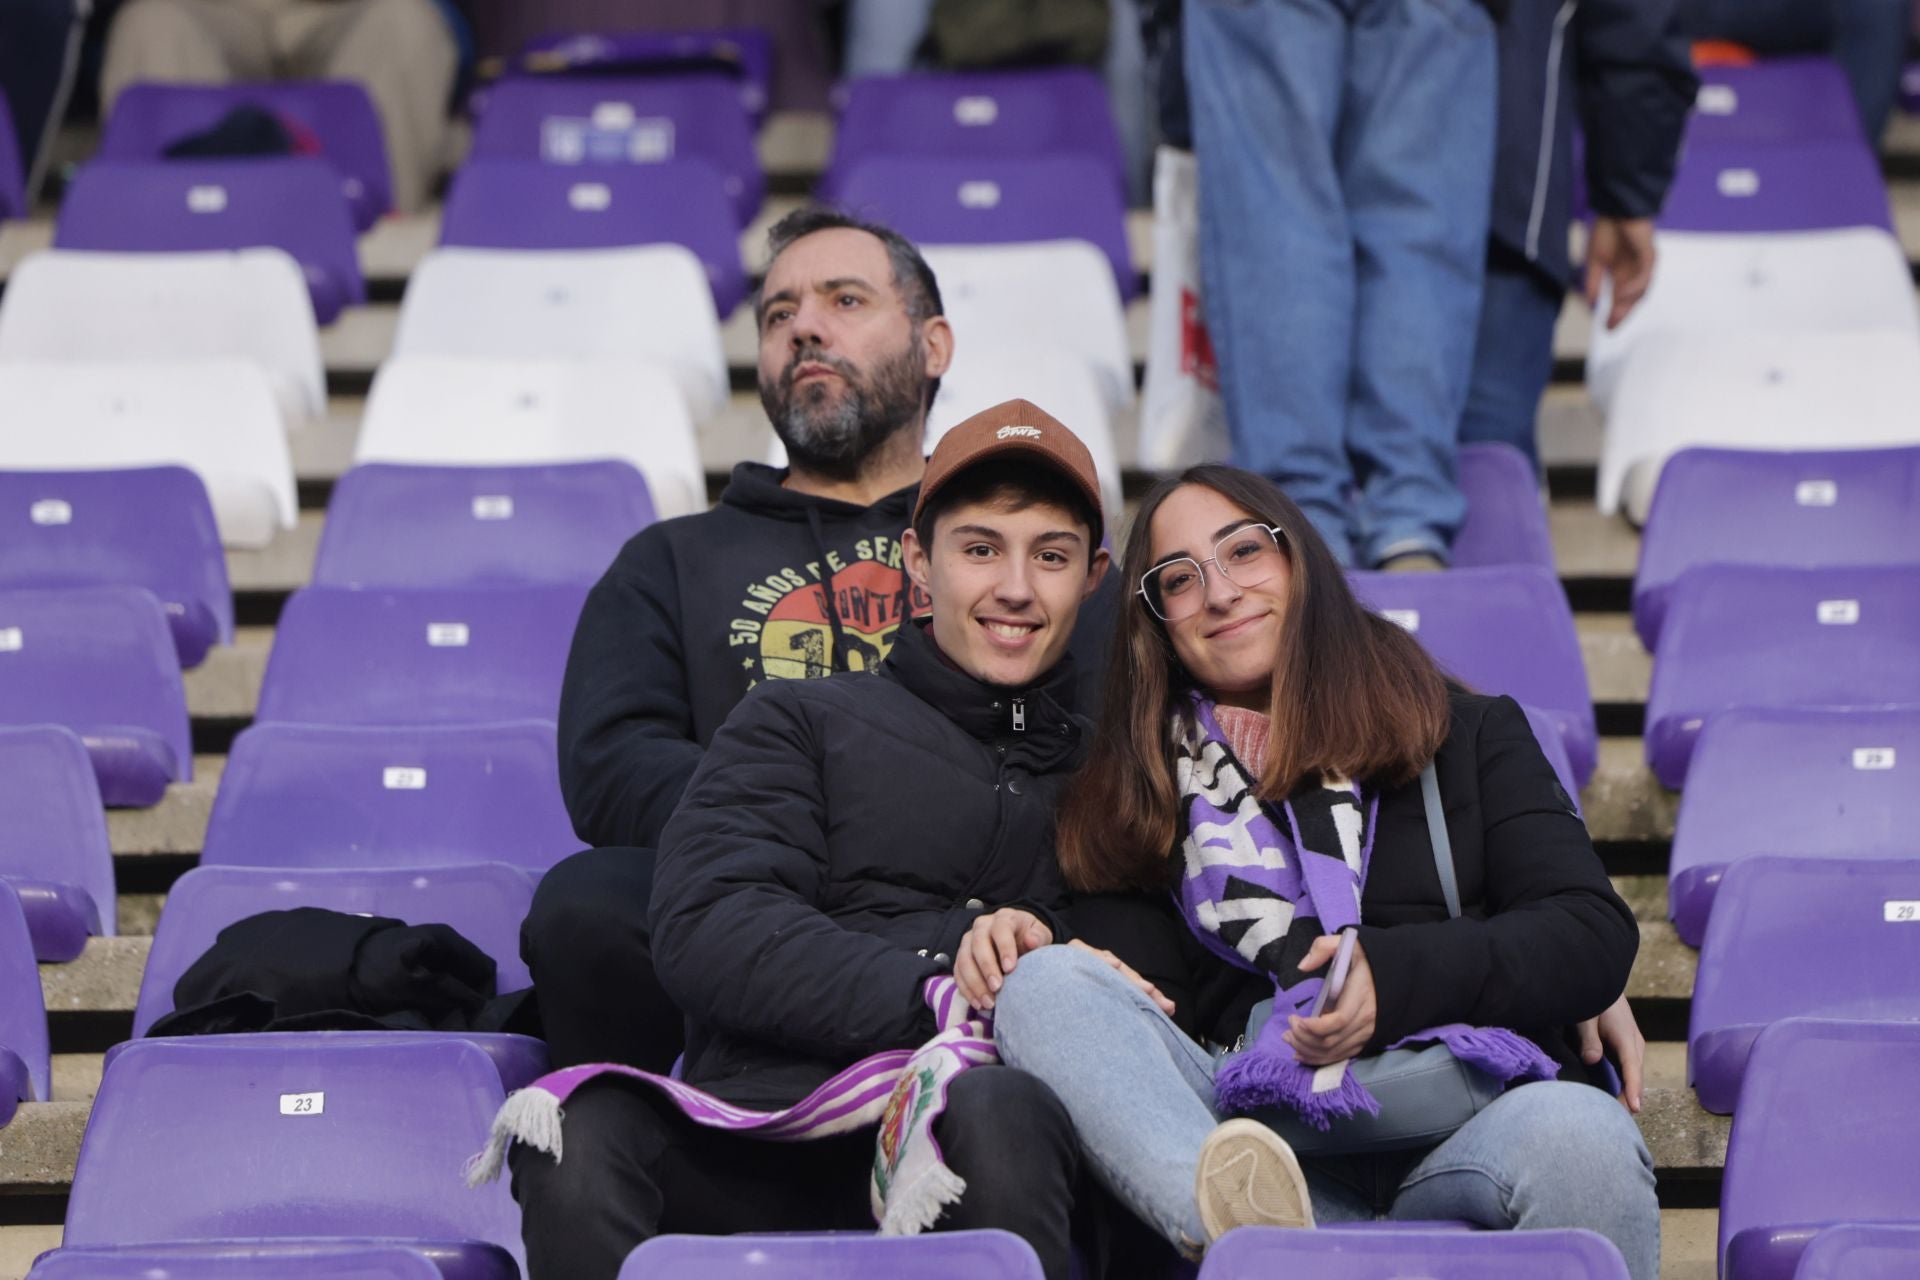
<point>1902,912</point>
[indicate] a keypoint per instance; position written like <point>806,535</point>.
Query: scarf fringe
<point>1249,1081</point>
<point>530,1115</point>
<point>914,1209</point>
<point>1503,1054</point>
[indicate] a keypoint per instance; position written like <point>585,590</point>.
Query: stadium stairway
<point>90,1001</point>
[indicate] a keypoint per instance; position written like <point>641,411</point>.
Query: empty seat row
<point>26,1071</point>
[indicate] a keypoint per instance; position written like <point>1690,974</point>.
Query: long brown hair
<point>1354,696</point>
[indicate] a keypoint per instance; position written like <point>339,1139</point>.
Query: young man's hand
<point>991,948</point>
<point>1621,249</point>
<point>1342,1031</point>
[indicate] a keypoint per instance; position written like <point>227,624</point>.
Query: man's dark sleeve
<point>626,733</point>
<point>739,939</point>
<point>1635,86</point>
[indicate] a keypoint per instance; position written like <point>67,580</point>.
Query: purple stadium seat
<point>342,656</point>
<point>1801,937</point>
<point>969,115</point>
<point>1747,187</point>
<point>100,661</point>
<point>149,527</point>
<point>1266,1253</point>
<point>237,1262</point>
<point>1851,776</point>
<point>1506,518</point>
<point>479,526</point>
<point>744,53</point>
<point>1792,510</point>
<point>172,206</point>
<point>53,839</point>
<point>306,795</point>
<point>1825,1133</point>
<point>26,1073</point>
<point>996,200</point>
<point>1776,100</point>
<point>338,114</point>
<point>230,1138</point>
<point>528,204</point>
<point>572,120</point>
<point>13,181</point>
<point>1862,1251</point>
<point>1547,733</point>
<point>941,1255</point>
<point>1742,635</point>
<point>1499,630</point>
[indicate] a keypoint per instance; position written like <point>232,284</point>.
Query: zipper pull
<point>1019,715</point>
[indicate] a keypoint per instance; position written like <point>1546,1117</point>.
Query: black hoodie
<point>695,611</point>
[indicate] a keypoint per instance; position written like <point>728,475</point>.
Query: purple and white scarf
<point>1258,886</point>
<point>903,1091</point>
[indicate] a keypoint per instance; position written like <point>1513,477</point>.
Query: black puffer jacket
<point>837,840</point>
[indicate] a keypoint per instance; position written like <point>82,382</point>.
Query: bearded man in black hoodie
<point>795,574</point>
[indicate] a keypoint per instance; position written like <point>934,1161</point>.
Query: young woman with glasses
<point>1251,816</point>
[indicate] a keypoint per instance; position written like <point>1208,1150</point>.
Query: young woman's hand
<point>1126,971</point>
<point>1341,1032</point>
<point>1616,1029</point>
<point>990,949</point>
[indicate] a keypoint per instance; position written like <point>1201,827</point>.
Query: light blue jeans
<point>1346,174</point>
<point>1141,1096</point>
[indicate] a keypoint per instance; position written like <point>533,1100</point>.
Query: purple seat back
<point>292,203</point>
<point>1547,733</point>
<point>946,1255</point>
<point>1862,1251</point>
<point>479,526</point>
<point>304,795</point>
<point>744,53</point>
<point>217,1138</point>
<point>1506,518</point>
<point>149,118</point>
<point>13,180</point>
<point>1776,100</point>
<point>101,661</point>
<point>1854,775</point>
<point>53,838</point>
<point>1505,629</point>
<point>342,656</point>
<point>996,200</point>
<point>576,120</point>
<point>1825,1132</point>
<point>23,1016</point>
<point>975,115</point>
<point>528,204</point>
<point>1801,937</point>
<point>484,902</point>
<point>237,1262</point>
<point>1263,1253</point>
<point>1757,187</point>
<point>1745,635</point>
<point>1803,510</point>
<point>151,527</point>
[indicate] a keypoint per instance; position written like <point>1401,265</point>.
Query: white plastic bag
<point>1182,419</point>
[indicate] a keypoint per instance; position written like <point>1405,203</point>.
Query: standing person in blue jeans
<point>1345,151</point>
<point>1257,788</point>
<point>1622,68</point>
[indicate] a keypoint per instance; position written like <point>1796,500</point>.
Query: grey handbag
<point>1424,1094</point>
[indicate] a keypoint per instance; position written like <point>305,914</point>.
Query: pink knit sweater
<point>1247,734</point>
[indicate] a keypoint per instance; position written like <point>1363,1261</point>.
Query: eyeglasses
<point>1247,557</point>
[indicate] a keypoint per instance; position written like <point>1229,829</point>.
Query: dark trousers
<point>587,945</point>
<point>1513,354</point>
<point>633,1167</point>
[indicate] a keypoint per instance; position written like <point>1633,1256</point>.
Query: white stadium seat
<point>250,305</point>
<point>216,417</point>
<point>1803,281</point>
<point>649,304</point>
<point>491,412</point>
<point>1756,391</point>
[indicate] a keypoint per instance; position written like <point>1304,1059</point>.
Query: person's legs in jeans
<point>884,35</point>
<point>587,944</point>
<point>1545,1155</point>
<point>1265,80</point>
<point>1416,164</point>
<point>1512,355</point>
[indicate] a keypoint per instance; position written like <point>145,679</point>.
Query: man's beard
<point>832,431</point>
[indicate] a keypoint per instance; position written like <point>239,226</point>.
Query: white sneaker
<point>1248,1177</point>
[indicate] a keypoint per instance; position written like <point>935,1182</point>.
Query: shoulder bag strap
<point>1442,844</point>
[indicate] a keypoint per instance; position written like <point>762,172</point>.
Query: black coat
<point>1542,942</point>
<point>838,839</point>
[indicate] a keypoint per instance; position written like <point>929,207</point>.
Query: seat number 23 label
<point>303,1104</point>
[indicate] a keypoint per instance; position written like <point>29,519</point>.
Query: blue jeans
<point>1346,177</point>
<point>1868,38</point>
<point>1141,1097</point>
<point>1512,356</point>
